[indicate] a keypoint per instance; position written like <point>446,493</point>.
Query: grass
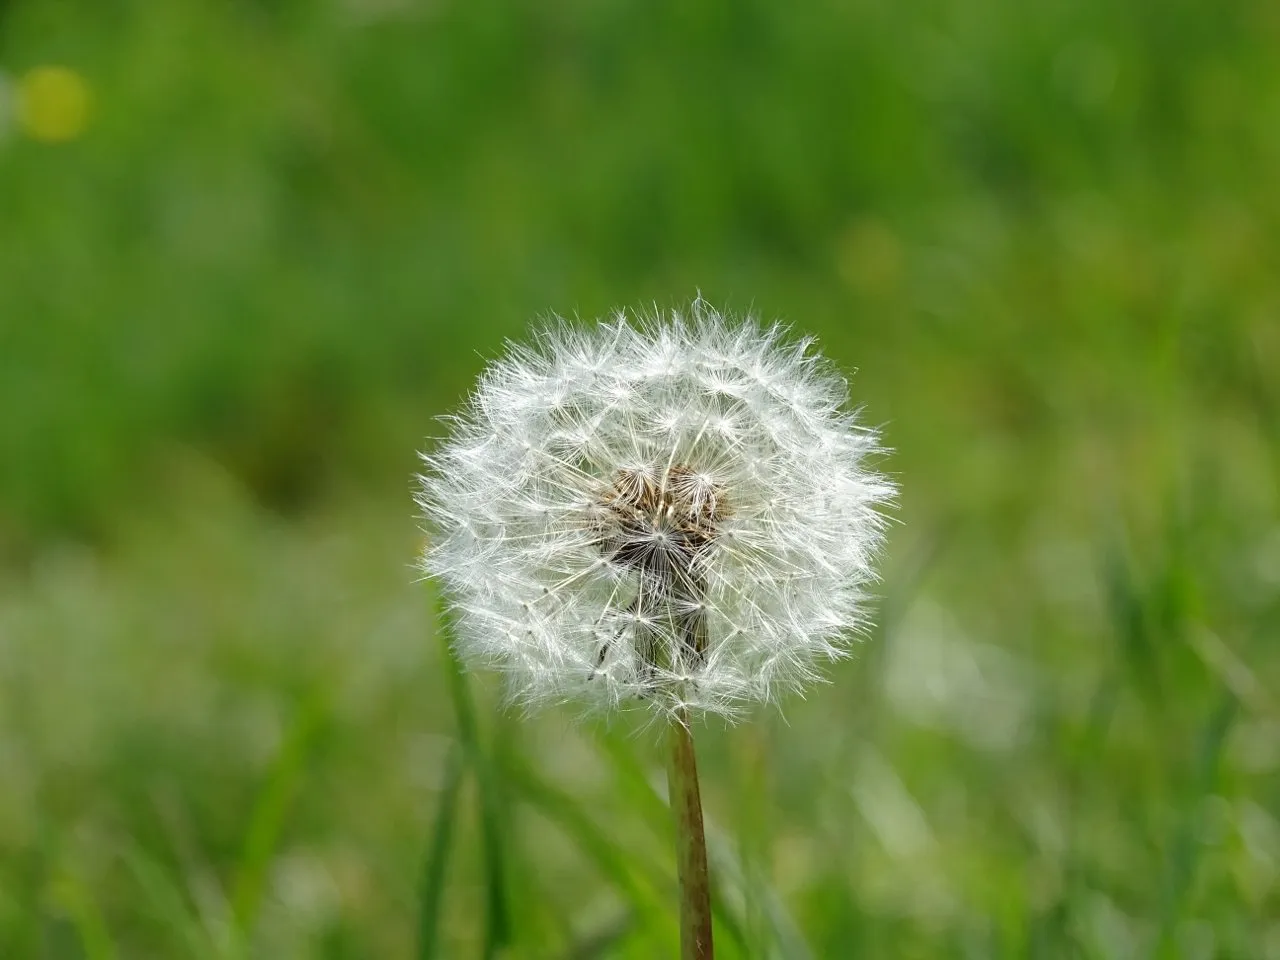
<point>1046,238</point>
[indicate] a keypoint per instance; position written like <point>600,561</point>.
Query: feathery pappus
<point>673,511</point>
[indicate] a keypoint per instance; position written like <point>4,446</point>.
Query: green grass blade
<point>497,932</point>
<point>267,819</point>
<point>634,877</point>
<point>78,904</point>
<point>431,897</point>
<point>603,943</point>
<point>1127,609</point>
<point>640,788</point>
<point>1186,850</point>
<point>634,781</point>
<point>163,900</point>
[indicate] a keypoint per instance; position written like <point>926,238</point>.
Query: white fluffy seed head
<point>674,512</point>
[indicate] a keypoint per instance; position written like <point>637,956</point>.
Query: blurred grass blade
<point>646,796</point>
<point>754,827</point>
<point>266,820</point>
<point>604,942</point>
<point>163,899</point>
<point>787,939</point>
<point>1186,849</point>
<point>431,898</point>
<point>497,916</point>
<point>726,877</point>
<point>634,780</point>
<point>1127,607</point>
<point>620,866</point>
<point>78,904</point>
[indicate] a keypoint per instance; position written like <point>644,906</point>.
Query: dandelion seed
<point>675,512</point>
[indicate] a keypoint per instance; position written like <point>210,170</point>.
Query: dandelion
<point>670,512</point>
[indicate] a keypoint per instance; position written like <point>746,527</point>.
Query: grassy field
<point>249,251</point>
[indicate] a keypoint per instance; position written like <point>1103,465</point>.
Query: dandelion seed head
<point>669,511</point>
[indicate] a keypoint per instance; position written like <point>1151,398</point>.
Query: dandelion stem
<point>691,844</point>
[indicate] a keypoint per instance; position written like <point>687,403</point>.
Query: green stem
<point>691,844</point>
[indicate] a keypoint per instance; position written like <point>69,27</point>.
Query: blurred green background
<point>249,249</point>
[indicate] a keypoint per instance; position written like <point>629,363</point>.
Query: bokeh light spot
<point>52,104</point>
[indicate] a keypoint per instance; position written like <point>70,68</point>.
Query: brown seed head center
<point>660,522</point>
